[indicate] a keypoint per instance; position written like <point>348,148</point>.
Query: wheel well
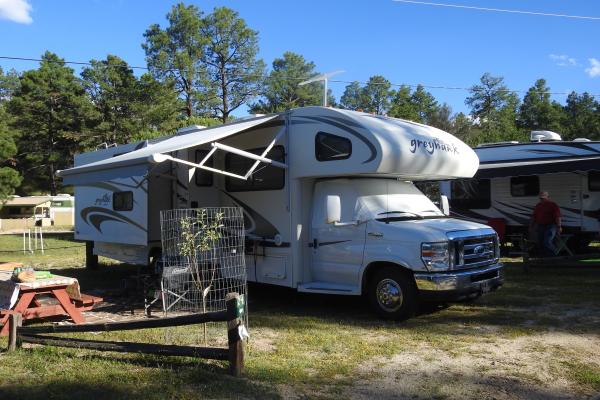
<point>375,266</point>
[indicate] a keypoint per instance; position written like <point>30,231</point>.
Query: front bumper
<point>459,285</point>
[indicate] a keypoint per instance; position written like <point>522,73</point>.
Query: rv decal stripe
<point>258,225</point>
<point>112,188</point>
<point>97,215</point>
<point>350,131</point>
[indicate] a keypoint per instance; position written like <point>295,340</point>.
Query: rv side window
<point>123,201</point>
<point>203,177</point>
<point>524,186</point>
<point>471,194</point>
<point>330,147</point>
<point>594,181</point>
<point>265,177</point>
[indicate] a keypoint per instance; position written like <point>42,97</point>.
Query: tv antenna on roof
<point>324,78</point>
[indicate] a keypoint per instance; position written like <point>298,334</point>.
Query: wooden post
<point>14,322</point>
<point>236,344</point>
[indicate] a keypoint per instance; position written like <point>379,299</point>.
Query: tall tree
<point>582,116</point>
<point>402,105</point>
<point>235,73</point>
<point>51,110</point>
<point>111,86</point>
<point>352,97</point>
<point>174,54</point>
<point>441,118</point>
<point>424,104</point>
<point>494,107</point>
<point>376,95</point>
<point>9,177</point>
<point>281,90</point>
<point>538,112</point>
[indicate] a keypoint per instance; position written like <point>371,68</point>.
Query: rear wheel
<point>392,294</point>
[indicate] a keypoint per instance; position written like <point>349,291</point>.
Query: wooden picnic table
<point>26,298</point>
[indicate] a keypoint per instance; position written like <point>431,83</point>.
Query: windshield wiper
<point>398,212</point>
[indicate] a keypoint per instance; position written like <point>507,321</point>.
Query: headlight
<point>436,256</point>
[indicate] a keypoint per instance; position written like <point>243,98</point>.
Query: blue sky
<point>406,43</point>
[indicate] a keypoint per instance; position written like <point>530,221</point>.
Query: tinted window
<point>471,193</point>
<point>203,177</point>
<point>330,147</point>
<point>524,186</point>
<point>123,201</point>
<point>594,181</point>
<point>265,177</point>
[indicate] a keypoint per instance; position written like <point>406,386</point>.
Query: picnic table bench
<point>42,298</point>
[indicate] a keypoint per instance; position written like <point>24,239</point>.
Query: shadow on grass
<point>534,299</point>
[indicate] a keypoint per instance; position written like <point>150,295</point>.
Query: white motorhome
<point>512,174</point>
<point>327,199</point>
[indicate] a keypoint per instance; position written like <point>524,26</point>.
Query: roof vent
<point>189,129</point>
<point>581,139</point>
<point>544,136</point>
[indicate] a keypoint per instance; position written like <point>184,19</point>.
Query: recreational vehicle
<point>327,197</point>
<point>505,188</point>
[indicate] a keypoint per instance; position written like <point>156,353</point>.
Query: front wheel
<point>392,294</point>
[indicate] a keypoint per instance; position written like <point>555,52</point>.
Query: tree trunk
<point>225,115</point>
<point>52,178</point>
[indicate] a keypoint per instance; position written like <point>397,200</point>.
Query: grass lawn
<point>537,337</point>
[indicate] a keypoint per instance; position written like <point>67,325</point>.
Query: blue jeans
<point>545,236</point>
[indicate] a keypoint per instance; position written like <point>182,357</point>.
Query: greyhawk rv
<point>327,199</point>
<point>511,175</point>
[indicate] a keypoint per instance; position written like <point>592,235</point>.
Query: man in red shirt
<point>546,220</point>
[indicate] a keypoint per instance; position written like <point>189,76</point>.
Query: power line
<point>543,14</point>
<point>469,89</point>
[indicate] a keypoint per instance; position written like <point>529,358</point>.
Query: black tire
<point>392,294</point>
<point>91,260</point>
<point>153,259</point>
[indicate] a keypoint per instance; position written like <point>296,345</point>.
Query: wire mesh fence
<point>202,258</point>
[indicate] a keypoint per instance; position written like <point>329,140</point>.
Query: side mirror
<point>444,205</point>
<point>334,209</point>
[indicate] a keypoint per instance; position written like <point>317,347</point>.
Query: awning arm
<point>267,150</point>
<point>159,157</point>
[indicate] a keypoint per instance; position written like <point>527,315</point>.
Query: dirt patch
<point>527,367</point>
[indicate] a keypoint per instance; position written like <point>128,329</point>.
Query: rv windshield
<point>390,200</point>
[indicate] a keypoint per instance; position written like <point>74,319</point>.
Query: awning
<point>145,155</point>
<point>537,167</point>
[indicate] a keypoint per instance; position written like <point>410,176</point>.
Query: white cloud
<point>594,70</point>
<point>563,60</point>
<point>16,11</point>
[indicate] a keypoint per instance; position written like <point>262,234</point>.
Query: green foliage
<point>9,177</point>
<point>582,117</point>
<point>129,108</point>
<point>351,99</point>
<point>281,91</point>
<point>51,111</point>
<point>9,83</point>
<point>173,55</point>
<point>538,112</point>
<point>235,74</point>
<point>374,97</point>
<point>494,108</point>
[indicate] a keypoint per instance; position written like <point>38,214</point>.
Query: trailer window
<point>123,201</point>
<point>265,177</point>
<point>524,186</point>
<point>203,177</point>
<point>594,181</point>
<point>330,147</point>
<point>470,194</point>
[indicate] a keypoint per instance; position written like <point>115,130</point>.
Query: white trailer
<point>511,175</point>
<point>327,199</point>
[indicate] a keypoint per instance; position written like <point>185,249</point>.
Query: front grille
<point>471,252</point>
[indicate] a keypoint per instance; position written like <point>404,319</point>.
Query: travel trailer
<point>328,202</point>
<point>511,175</point>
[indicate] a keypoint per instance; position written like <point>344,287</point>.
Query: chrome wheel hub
<point>389,295</point>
